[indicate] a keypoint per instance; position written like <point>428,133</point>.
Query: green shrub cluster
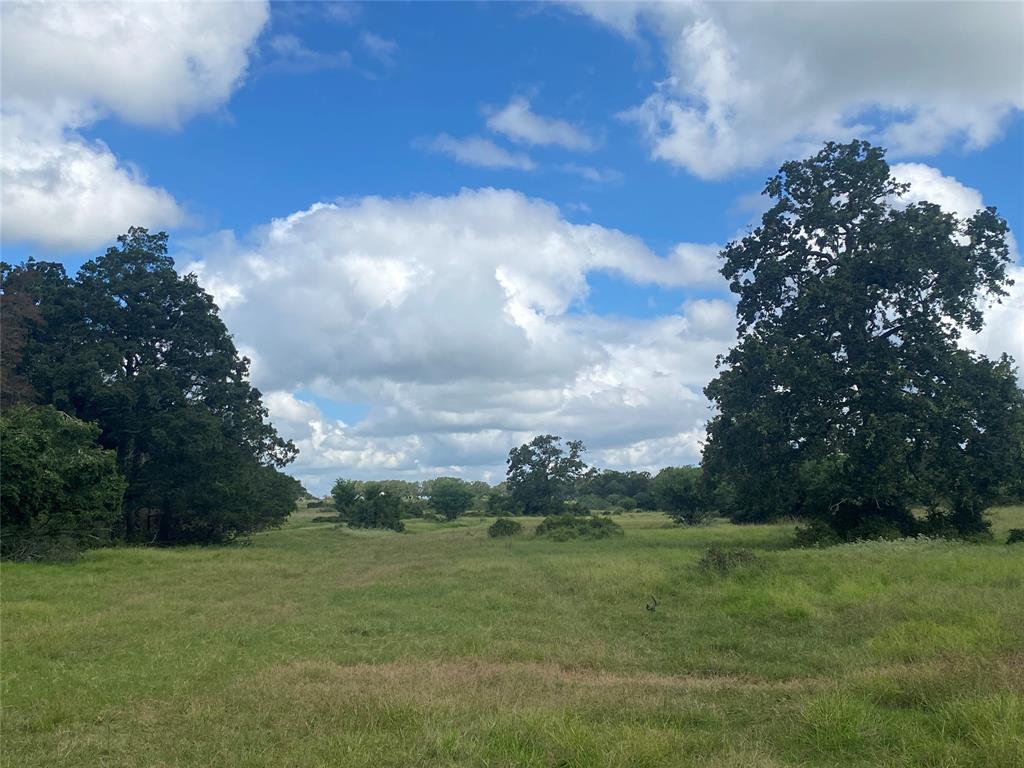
<point>504,526</point>
<point>570,527</point>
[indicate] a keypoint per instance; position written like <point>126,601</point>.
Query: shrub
<point>1016,536</point>
<point>722,561</point>
<point>376,508</point>
<point>568,527</point>
<point>503,526</point>
<point>61,490</point>
<point>873,528</point>
<point>816,534</point>
<point>680,494</point>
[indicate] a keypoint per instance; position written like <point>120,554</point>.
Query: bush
<point>721,561</point>
<point>568,527</point>
<point>61,490</point>
<point>680,494</point>
<point>1016,536</point>
<point>377,508</point>
<point>816,534</point>
<point>503,526</point>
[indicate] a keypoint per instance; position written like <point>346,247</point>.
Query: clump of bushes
<point>504,526</point>
<point>1016,536</point>
<point>816,534</point>
<point>569,527</point>
<point>717,560</point>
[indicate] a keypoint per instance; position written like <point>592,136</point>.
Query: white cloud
<point>456,320</point>
<point>929,184</point>
<point>65,65</point>
<point>755,83</point>
<point>381,48</point>
<point>148,63</point>
<point>518,122</point>
<point>67,193</point>
<point>478,151</point>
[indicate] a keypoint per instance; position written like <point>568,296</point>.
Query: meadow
<point>322,646</point>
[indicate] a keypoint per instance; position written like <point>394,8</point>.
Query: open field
<point>320,646</point>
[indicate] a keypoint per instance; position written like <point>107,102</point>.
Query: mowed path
<point>319,646</point>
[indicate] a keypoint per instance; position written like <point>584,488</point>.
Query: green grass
<point>320,646</point>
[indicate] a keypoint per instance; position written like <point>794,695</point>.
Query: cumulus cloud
<point>66,192</point>
<point>754,83</point>
<point>66,65</point>
<point>478,151</point>
<point>457,320</point>
<point>518,122</point>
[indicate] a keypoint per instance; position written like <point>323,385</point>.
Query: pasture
<point>322,646</point>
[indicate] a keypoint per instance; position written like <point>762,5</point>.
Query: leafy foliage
<point>542,474</point>
<point>1016,536</point>
<point>61,490</point>
<point>847,396</point>
<point>569,527</point>
<point>345,494</point>
<point>450,496</point>
<point>503,526</point>
<point>679,492</point>
<point>142,351</point>
<point>377,507</point>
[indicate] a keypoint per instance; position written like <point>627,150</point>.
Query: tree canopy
<point>847,396</point>
<point>141,351</point>
<point>543,474</point>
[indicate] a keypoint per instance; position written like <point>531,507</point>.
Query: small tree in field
<point>345,494</point>
<point>680,494</point>
<point>450,496</point>
<point>377,507</point>
<point>847,398</point>
<point>542,475</point>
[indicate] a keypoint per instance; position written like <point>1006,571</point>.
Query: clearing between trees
<point>324,646</point>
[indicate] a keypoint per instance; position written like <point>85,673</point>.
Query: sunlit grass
<point>323,646</point>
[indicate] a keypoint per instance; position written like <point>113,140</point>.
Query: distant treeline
<point>127,411</point>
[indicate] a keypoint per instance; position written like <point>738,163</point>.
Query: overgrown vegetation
<point>569,527</point>
<point>504,526</point>
<point>61,490</point>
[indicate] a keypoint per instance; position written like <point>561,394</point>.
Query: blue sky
<point>522,202</point>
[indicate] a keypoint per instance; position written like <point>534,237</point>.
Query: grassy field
<point>319,646</point>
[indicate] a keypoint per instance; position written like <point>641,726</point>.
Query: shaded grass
<point>318,645</point>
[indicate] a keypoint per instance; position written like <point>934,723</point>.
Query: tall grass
<point>319,645</point>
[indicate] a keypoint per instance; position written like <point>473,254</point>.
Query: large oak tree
<point>848,396</point>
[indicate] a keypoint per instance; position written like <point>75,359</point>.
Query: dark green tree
<point>542,474</point>
<point>847,398</point>
<point>377,507</point>
<point>450,496</point>
<point>345,494</point>
<point>142,351</point>
<point>61,491</point>
<point>681,495</point>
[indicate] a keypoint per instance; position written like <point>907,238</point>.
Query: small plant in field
<point>503,526</point>
<point>1016,536</point>
<point>569,527</point>
<point>721,561</point>
<point>816,534</point>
